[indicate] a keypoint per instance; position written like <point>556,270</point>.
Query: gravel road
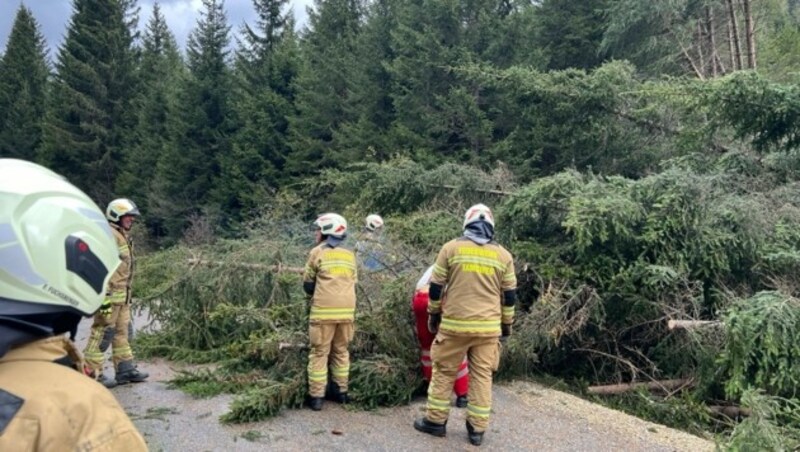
<point>526,416</point>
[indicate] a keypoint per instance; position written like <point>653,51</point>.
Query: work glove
<point>506,331</point>
<point>433,323</point>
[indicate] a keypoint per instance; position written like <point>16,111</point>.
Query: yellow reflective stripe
<point>440,271</point>
<point>121,351</point>
<point>115,297</point>
<point>510,276</point>
<point>321,313</point>
<point>348,263</point>
<point>434,304</point>
<point>508,311</point>
<point>438,404</point>
<point>479,411</point>
<point>318,375</point>
<point>476,260</point>
<point>123,248</point>
<point>340,371</point>
<point>465,326</point>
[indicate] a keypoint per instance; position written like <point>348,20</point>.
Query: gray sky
<point>181,15</point>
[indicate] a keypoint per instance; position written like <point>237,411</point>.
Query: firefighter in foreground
<point>330,281</point>
<point>481,293</point>
<point>56,256</point>
<point>419,305</point>
<point>116,309</point>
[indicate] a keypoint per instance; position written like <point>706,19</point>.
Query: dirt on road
<point>525,416</point>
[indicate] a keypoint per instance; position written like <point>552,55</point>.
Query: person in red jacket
<point>420,308</point>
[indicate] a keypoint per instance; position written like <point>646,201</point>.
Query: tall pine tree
<point>160,71</point>
<point>90,113</point>
<point>189,168</point>
<point>266,65</point>
<point>23,85</point>
<point>325,85</point>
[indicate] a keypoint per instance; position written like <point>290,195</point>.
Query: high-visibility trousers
<point>447,351</point>
<point>420,308</point>
<point>119,318</point>
<point>328,342</point>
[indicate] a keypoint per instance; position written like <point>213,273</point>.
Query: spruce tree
<point>189,168</point>
<point>23,85</point>
<point>265,69</point>
<point>325,85</point>
<point>160,71</point>
<point>90,113</point>
<point>571,32</point>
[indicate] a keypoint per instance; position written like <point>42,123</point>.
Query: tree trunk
<point>700,41</point>
<point>751,35</point>
<point>663,385</point>
<point>716,63</point>
<point>270,268</point>
<point>737,48</point>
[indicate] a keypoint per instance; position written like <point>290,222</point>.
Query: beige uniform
<point>48,406</point>
<point>333,305</point>
<point>119,295</point>
<point>476,277</point>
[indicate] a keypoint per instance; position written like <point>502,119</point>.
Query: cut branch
<point>658,385</point>
<point>691,324</point>
<point>477,190</point>
<point>730,411</point>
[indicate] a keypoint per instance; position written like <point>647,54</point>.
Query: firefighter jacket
<point>332,273</point>
<point>119,287</point>
<point>49,406</point>
<point>476,277</point>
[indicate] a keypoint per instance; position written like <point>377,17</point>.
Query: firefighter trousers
<point>119,318</point>
<point>328,342</point>
<point>483,354</point>
<point>420,307</point>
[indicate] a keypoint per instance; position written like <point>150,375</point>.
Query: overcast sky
<point>53,16</point>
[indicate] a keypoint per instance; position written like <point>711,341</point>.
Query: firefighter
<point>481,285</point>
<point>420,307</point>
<point>56,255</point>
<point>330,281</point>
<point>116,309</point>
<point>370,244</point>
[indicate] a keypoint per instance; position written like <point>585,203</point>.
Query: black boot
<point>475,438</point>
<point>425,426</point>
<point>315,403</point>
<point>106,381</point>
<point>335,394</point>
<point>461,401</point>
<point>128,373</point>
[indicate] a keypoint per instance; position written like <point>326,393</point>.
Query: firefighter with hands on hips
<point>57,254</point>
<point>481,293</point>
<point>419,305</point>
<point>330,282</point>
<point>116,309</point>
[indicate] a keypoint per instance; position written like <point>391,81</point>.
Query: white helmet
<point>374,222</point>
<point>331,224</point>
<point>119,207</point>
<point>57,251</point>
<point>478,212</point>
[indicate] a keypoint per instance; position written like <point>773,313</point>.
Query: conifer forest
<point>641,157</point>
